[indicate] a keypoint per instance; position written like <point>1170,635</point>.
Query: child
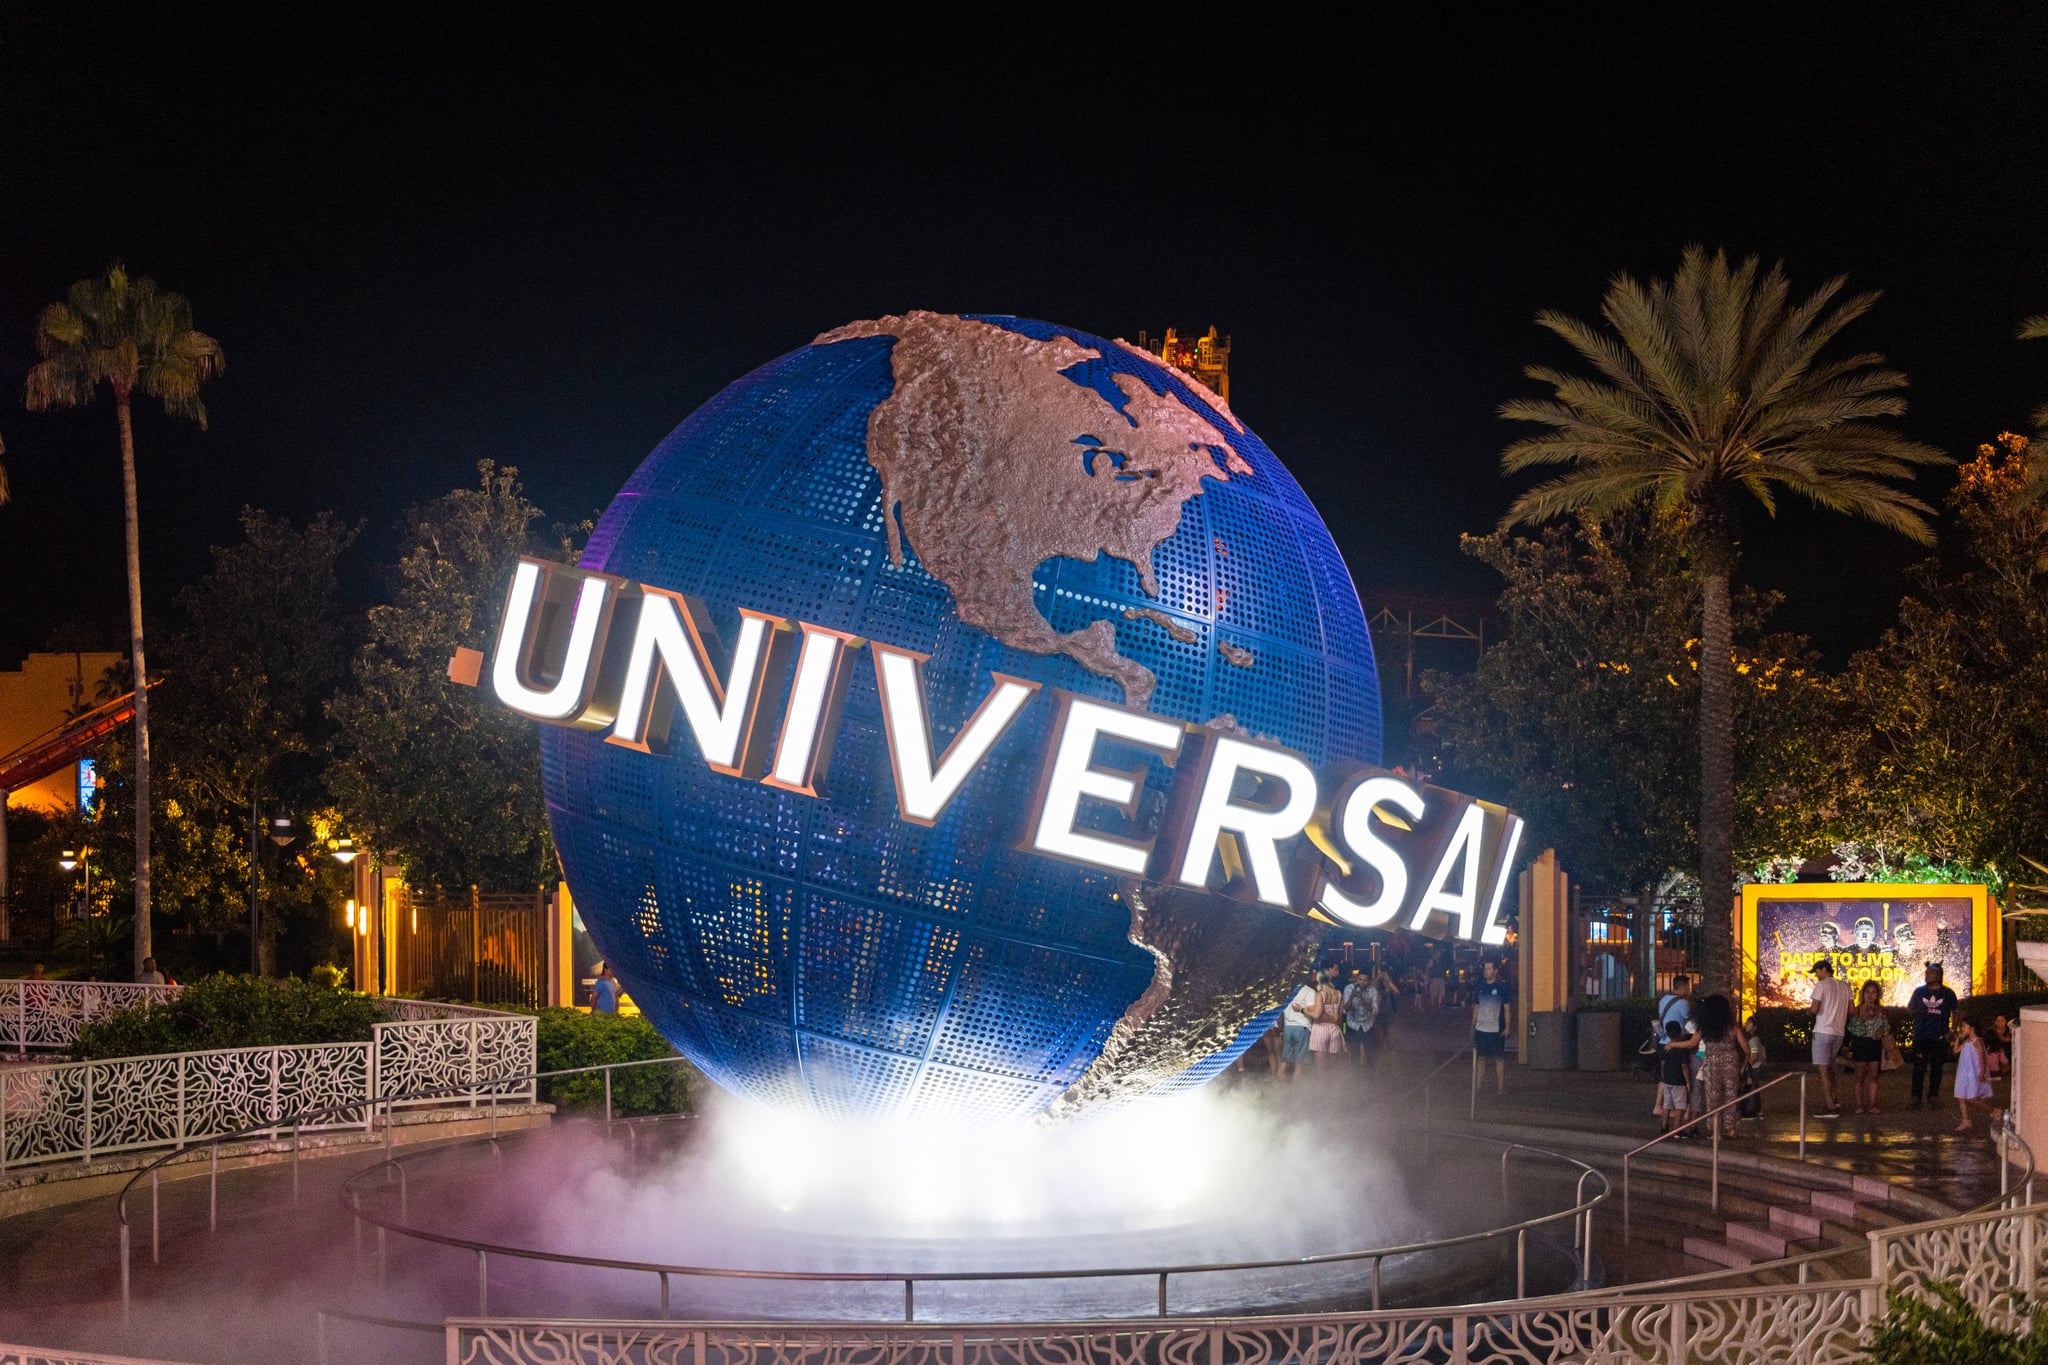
<point>1971,1086</point>
<point>1998,1048</point>
<point>1674,1089</point>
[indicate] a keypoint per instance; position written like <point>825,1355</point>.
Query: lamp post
<point>282,829</point>
<point>71,859</point>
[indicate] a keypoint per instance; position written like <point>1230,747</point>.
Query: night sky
<point>422,242</point>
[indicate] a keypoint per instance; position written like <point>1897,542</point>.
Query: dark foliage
<point>231,1011</point>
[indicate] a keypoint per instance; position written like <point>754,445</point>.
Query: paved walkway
<point>1918,1148</point>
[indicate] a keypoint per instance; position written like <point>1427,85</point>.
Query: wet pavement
<point>1917,1148</point>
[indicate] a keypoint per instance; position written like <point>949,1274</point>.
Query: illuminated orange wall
<point>38,697</point>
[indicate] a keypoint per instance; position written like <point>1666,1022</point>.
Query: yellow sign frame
<point>1986,928</point>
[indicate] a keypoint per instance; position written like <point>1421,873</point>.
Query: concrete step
<point>1870,1188</point>
<point>1720,1253</point>
<point>1831,1204</point>
<point>1799,1225</point>
<point>1773,1243</point>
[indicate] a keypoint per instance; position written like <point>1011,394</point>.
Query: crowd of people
<point>1341,1011</point>
<point>1707,1059</point>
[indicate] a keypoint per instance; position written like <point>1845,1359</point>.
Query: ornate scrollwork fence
<point>46,1015</point>
<point>66,1111</point>
<point>1823,1323</point>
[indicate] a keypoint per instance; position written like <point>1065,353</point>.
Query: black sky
<point>426,241</point>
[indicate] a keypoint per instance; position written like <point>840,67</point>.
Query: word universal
<point>1241,817</point>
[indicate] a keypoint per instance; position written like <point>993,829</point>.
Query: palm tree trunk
<point>1717,777</point>
<point>142,941</point>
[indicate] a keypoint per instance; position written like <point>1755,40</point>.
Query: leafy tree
<point>1711,388</point>
<point>446,782</point>
<point>127,334</point>
<point>1950,698</point>
<point>263,645</point>
<point>1582,712</point>
<point>1943,1328</point>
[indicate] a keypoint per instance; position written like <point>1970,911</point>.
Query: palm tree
<point>127,334</point>
<point>1711,388</point>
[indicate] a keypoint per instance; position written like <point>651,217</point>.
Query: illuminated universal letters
<point>1071,776</point>
<point>1352,813</point>
<point>922,790</point>
<point>672,640</point>
<point>591,652</point>
<point>1461,855</point>
<point>517,671</point>
<point>1245,834</point>
<point>810,721</point>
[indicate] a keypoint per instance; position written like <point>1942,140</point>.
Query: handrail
<point>1715,1202</point>
<point>1580,1213</point>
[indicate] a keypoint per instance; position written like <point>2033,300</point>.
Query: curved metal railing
<point>1579,1214</point>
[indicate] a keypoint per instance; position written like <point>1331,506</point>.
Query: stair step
<point>1871,1188</point>
<point>1720,1253</point>
<point>1800,1225</point>
<point>1834,1204</point>
<point>1773,1244</point>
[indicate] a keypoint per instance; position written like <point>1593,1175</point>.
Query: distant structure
<point>46,691</point>
<point>1205,359</point>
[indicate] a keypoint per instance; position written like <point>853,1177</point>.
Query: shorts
<point>1293,1044</point>
<point>1673,1099</point>
<point>1864,1051</point>
<point>1825,1046</point>
<point>1489,1044</point>
<point>1325,1038</point>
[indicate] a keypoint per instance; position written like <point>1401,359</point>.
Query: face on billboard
<point>1890,941</point>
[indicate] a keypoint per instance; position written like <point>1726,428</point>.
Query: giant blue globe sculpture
<point>900,480</point>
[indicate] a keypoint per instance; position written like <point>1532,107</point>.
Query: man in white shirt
<point>1830,1005</point>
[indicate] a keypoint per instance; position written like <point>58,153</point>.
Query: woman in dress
<point>1726,1051</point>
<point>1867,1028</point>
<point>1972,1087</point>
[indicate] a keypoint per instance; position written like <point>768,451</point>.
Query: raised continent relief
<point>993,461</point>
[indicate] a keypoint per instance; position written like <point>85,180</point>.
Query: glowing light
<point>1072,776</point>
<point>1354,824</point>
<point>923,790</point>
<point>1247,836</point>
<point>348,916</point>
<point>569,692</point>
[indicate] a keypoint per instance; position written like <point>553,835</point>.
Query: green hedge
<point>571,1038</point>
<point>230,1011</point>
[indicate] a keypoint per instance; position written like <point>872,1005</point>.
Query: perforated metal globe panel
<point>822,952</point>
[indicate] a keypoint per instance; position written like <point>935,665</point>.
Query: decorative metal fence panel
<point>52,1355</point>
<point>47,1014</point>
<point>1987,1255</point>
<point>64,1111</point>
<point>465,1054</point>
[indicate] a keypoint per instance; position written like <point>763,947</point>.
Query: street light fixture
<point>283,829</point>
<point>345,850</point>
<point>68,860</point>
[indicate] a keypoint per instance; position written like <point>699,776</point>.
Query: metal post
<point>909,1297</point>
<point>607,1097</point>
<point>664,1295</point>
<point>387,1128</point>
<point>155,1256</point>
<point>1375,1284</point>
<point>88,1113</point>
<point>1716,1203</point>
<point>295,1163</point>
<point>494,1117</point>
<point>483,1286</point>
<point>321,1335</point>
<point>1162,1293</point>
<point>1586,1255</point>
<point>124,1270</point>
<point>1625,1224</point>
<point>213,1186</point>
<point>1802,1116</point>
<point>1522,1264</point>
<point>1473,1114</point>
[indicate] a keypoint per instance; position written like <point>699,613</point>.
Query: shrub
<point>570,1038</point>
<point>231,1011</point>
<point>1947,1331</point>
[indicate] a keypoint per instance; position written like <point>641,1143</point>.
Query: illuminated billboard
<point>1885,932</point>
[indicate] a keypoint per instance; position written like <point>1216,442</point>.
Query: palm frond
<point>1715,383</point>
